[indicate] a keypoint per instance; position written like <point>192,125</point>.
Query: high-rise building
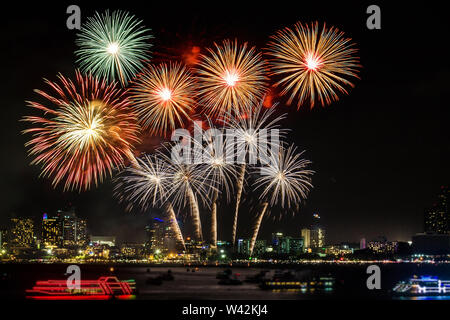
<point>280,243</point>
<point>283,244</point>
<point>69,228</point>
<point>296,246</point>
<point>437,218</point>
<point>306,235</point>
<point>313,238</point>
<point>162,237</point>
<point>81,233</point>
<point>21,233</point>
<point>51,231</point>
<point>243,247</point>
<point>74,229</point>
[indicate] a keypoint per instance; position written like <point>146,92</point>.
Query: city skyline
<point>363,147</point>
<point>65,228</point>
<point>430,216</point>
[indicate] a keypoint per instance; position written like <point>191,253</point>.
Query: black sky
<point>380,153</point>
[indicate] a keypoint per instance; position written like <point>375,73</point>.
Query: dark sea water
<point>203,285</point>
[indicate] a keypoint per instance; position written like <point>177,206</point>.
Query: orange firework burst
<point>87,129</point>
<point>163,97</point>
<point>313,65</point>
<point>230,77</point>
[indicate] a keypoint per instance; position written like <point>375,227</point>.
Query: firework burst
<point>148,184</point>
<point>113,46</point>
<point>285,181</point>
<point>229,78</point>
<point>188,185</point>
<point>314,65</point>
<point>220,173</point>
<point>252,132</point>
<point>85,131</point>
<point>163,97</point>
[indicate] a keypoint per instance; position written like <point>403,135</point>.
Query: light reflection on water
<point>423,298</point>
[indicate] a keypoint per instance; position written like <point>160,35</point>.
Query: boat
<point>289,281</point>
<point>423,286</point>
<point>105,288</point>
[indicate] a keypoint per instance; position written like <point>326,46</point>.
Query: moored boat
<point>104,288</point>
<point>423,286</point>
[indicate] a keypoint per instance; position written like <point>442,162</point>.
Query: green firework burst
<point>113,46</point>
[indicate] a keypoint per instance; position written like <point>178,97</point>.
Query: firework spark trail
<point>257,226</point>
<point>86,130</point>
<point>214,219</point>
<point>221,173</point>
<point>113,46</point>
<point>209,153</point>
<point>174,224</point>
<point>250,131</point>
<point>229,77</point>
<point>285,181</point>
<point>198,234</point>
<point>188,184</point>
<point>314,64</point>
<point>240,188</point>
<point>147,183</point>
<point>163,97</point>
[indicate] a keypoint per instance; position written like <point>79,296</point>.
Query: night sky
<point>380,154</point>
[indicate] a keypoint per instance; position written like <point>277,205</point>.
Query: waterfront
<point>201,284</point>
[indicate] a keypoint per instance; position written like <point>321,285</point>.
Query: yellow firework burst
<point>163,96</point>
<point>85,130</point>
<point>314,65</point>
<point>229,78</point>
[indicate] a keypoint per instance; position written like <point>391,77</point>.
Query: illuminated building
<point>296,246</point>
<point>51,231</point>
<point>383,247</point>
<point>362,243</point>
<point>306,235</point>
<point>280,243</point>
<point>243,246</point>
<point>194,249</point>
<point>132,250</point>
<point>74,229</point>
<point>103,241</point>
<point>338,250</point>
<point>283,244</point>
<point>223,244</point>
<point>313,238</point>
<point>437,218</point>
<point>162,237</point>
<point>81,234</point>
<point>21,233</point>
